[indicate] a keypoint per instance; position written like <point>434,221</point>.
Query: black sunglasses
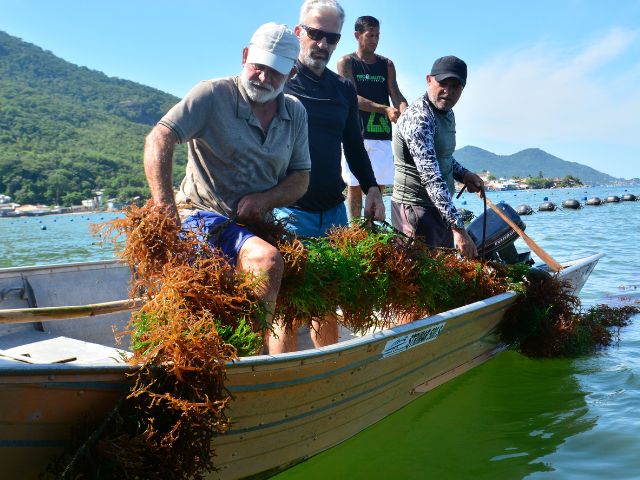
<point>317,35</point>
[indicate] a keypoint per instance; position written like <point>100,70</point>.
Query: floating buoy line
<point>568,204</point>
<point>547,207</point>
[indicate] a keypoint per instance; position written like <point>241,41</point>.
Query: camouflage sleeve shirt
<point>418,128</point>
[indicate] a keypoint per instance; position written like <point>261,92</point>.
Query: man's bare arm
<point>364,104</point>
<point>158,165</point>
<point>344,68</point>
<point>396,96</point>
<point>290,189</point>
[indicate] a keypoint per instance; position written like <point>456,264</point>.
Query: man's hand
<point>474,183</point>
<point>172,211</point>
<point>464,244</point>
<point>373,206</point>
<point>252,207</point>
<point>392,114</point>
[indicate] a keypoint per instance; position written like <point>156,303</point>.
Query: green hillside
<point>67,130</point>
<point>529,162</point>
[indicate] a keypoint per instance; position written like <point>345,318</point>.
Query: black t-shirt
<point>371,83</point>
<point>332,111</point>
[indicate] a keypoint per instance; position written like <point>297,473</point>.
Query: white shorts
<point>381,157</point>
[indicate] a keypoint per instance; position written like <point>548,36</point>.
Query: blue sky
<point>559,75</point>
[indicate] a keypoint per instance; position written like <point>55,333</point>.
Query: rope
<point>484,225</point>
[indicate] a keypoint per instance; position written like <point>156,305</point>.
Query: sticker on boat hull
<point>400,344</point>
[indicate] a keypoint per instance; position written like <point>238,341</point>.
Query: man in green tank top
<point>425,170</point>
<point>374,77</point>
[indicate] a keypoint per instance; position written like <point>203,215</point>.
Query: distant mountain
<point>529,162</point>
<point>67,130</point>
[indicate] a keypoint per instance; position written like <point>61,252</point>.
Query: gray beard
<point>259,94</point>
<point>310,62</point>
<point>434,104</point>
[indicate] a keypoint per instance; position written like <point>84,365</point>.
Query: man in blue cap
<point>425,170</point>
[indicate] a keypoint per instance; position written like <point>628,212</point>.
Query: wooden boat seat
<point>39,347</point>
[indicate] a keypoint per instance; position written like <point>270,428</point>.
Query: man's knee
<point>257,255</point>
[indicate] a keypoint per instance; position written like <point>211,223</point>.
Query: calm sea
<point>510,418</point>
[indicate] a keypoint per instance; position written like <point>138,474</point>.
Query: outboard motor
<point>500,237</point>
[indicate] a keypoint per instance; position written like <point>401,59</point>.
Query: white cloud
<point>604,50</point>
<point>544,93</point>
<point>548,95</point>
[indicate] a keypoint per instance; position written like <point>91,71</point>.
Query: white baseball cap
<point>275,46</point>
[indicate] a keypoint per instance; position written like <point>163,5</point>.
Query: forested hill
<point>530,162</point>
<point>67,130</point>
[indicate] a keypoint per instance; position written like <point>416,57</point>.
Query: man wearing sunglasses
<point>425,170</point>
<point>375,79</point>
<point>334,124</point>
<point>248,153</point>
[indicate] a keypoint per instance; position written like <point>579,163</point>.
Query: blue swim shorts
<point>219,232</point>
<point>305,223</point>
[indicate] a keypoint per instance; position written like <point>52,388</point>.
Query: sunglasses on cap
<point>316,35</point>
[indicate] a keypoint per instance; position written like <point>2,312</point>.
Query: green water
<point>513,417</point>
<point>497,421</point>
<point>53,239</point>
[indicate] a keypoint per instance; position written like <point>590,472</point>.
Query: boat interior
<point>86,339</point>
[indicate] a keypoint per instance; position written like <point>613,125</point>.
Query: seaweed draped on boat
<point>200,314</point>
<point>376,276</point>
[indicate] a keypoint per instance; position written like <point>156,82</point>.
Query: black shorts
<point>425,223</point>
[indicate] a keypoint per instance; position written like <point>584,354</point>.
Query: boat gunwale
<point>11,271</point>
<point>572,265</point>
<point>386,334</point>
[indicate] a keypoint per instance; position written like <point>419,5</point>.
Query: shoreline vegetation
<point>9,209</point>
<point>42,210</point>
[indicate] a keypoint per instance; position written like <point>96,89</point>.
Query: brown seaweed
<point>200,314</point>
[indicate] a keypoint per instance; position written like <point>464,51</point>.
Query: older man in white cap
<point>248,153</point>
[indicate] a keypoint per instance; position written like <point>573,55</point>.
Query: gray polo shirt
<point>229,154</point>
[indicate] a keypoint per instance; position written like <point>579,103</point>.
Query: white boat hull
<point>286,407</point>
